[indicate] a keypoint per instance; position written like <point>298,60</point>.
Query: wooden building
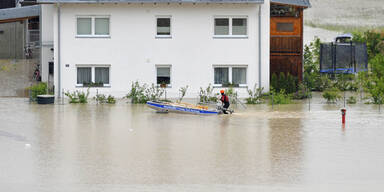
<point>7,4</point>
<point>286,44</point>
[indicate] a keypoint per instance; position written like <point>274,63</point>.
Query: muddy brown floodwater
<point>126,147</point>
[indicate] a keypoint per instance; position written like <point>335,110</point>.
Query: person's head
<point>222,92</point>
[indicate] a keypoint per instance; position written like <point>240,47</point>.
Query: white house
<point>179,42</point>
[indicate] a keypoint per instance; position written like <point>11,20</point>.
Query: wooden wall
<point>286,52</point>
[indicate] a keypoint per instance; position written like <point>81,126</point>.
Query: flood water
<point>124,147</point>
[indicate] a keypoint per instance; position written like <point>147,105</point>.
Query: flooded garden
<point>130,147</point>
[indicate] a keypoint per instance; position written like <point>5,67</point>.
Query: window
<point>95,26</point>
<point>84,75</point>
<point>238,75</point>
<point>163,75</point>
<point>221,26</point>
<point>101,26</point>
<point>221,75</point>
<point>284,27</point>
<point>98,75</point>
<point>102,75</point>
<point>84,26</point>
<point>163,26</point>
<point>230,27</point>
<point>239,26</point>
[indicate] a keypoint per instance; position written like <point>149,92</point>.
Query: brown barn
<point>286,54</point>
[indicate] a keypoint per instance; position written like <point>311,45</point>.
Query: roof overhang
<point>150,1</point>
<point>19,13</point>
<point>298,3</point>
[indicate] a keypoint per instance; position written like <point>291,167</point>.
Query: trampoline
<point>348,57</point>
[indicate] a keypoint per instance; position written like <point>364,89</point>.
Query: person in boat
<point>225,101</point>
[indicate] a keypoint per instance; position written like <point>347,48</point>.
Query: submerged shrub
<point>255,95</point>
<point>375,89</point>
<point>38,89</point>
<point>182,91</point>
<point>323,83</point>
<point>153,92</point>
<point>143,93</point>
<point>280,97</point>
<point>101,98</point>
<point>111,99</point>
<point>136,94</point>
<point>332,95</point>
<point>206,95</point>
<point>351,100</point>
<point>77,96</point>
<point>302,92</point>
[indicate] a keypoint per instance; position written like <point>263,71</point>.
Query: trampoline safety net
<point>343,57</point>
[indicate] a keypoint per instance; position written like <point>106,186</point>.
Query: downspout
<point>58,51</point>
<point>260,46</point>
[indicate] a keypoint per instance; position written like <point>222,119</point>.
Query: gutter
<point>58,51</point>
<point>260,46</point>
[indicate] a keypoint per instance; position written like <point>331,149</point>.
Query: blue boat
<point>181,108</point>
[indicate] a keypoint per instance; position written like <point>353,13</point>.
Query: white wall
<point>133,51</point>
<point>265,39</point>
<point>46,39</point>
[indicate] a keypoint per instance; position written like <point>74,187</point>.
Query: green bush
<point>143,93</point>
<point>38,89</point>
<point>375,88</point>
<point>332,95</point>
<point>284,82</point>
<point>182,91</point>
<point>345,82</point>
<point>101,98</point>
<point>206,95</point>
<point>373,82</point>
<point>111,99</point>
<point>322,83</point>
<point>77,96</point>
<point>351,100</point>
<point>153,92</point>
<point>255,95</point>
<point>302,92</point>
<point>136,94</point>
<point>83,96</point>
<point>280,97</point>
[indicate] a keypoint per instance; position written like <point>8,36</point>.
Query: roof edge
<point>148,1</point>
<point>19,12</point>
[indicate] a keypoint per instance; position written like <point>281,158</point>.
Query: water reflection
<point>286,154</point>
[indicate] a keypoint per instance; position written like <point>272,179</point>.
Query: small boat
<point>181,108</point>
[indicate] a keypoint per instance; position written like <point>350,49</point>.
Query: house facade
<point>111,44</point>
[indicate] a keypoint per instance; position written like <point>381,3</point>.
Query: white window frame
<point>170,26</point>
<point>93,26</point>
<point>230,26</point>
<point>230,74</point>
<point>93,73</point>
<point>170,73</point>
